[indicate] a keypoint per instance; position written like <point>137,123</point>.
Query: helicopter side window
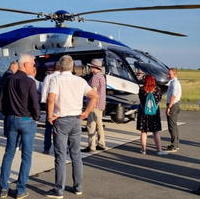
<point>117,68</point>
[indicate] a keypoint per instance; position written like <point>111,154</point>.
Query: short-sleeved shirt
<point>45,87</point>
<point>174,89</point>
<point>69,90</point>
<point>98,81</point>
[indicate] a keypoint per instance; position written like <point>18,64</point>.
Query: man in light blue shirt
<point>174,93</point>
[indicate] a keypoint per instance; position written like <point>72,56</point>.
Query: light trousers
<point>96,135</point>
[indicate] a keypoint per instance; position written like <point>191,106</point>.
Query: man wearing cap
<point>94,122</point>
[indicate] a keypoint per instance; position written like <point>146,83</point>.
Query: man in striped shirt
<point>96,137</point>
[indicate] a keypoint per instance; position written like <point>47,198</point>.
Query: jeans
<point>47,136</point>
<point>26,128</point>
<point>172,119</point>
<point>67,136</point>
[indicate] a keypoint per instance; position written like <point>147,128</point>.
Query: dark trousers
<point>47,136</point>
<point>172,124</point>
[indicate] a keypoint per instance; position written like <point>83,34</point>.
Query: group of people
<point>63,92</point>
<point>151,122</point>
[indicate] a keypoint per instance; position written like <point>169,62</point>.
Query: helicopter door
<point>119,76</point>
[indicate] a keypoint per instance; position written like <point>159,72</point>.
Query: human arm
<point>50,108</point>
<point>171,102</point>
<point>93,97</point>
<point>35,107</point>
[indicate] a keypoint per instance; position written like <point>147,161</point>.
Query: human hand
<point>167,111</point>
<point>83,115</point>
<point>52,119</point>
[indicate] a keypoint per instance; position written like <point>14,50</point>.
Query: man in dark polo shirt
<point>21,106</point>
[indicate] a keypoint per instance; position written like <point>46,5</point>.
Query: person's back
<point>46,82</point>
<point>44,94</point>
<point>12,69</point>
<point>71,93</point>
<point>65,102</point>
<point>16,101</point>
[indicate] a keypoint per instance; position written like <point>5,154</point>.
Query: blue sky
<point>174,51</point>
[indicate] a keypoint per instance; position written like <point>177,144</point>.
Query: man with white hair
<point>65,102</point>
<point>21,106</point>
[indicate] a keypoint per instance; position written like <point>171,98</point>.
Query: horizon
<point>179,52</point>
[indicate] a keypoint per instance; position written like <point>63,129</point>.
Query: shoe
<point>4,193</point>
<point>78,193</point>
<point>46,152</point>
<point>162,153</point>
<point>87,150</point>
<point>171,149</point>
<point>53,193</point>
<point>143,152</point>
<point>23,195</point>
<point>100,148</point>
<point>197,191</point>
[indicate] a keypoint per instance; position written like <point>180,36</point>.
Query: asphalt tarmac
<point>123,173</point>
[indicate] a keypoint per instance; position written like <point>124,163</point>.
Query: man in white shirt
<point>65,102</point>
<point>174,93</point>
<point>45,91</point>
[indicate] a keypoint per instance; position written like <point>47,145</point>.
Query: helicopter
<point>124,68</point>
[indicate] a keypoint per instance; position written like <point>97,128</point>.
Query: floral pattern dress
<point>149,123</point>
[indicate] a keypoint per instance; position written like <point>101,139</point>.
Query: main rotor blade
<point>22,22</point>
<point>22,11</point>
<point>139,27</point>
<point>170,7</point>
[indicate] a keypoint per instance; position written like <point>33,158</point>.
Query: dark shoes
<point>197,191</point>
<point>4,193</point>
<point>171,149</point>
<point>53,193</point>
<point>87,150</point>
<point>23,195</point>
<point>100,148</point>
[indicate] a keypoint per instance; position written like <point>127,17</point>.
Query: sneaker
<point>143,152</point>
<point>53,193</point>
<point>4,193</point>
<point>100,148</point>
<point>162,153</point>
<point>171,149</point>
<point>78,193</point>
<point>23,195</point>
<point>87,150</point>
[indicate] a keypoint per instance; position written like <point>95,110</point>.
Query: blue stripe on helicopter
<point>12,36</point>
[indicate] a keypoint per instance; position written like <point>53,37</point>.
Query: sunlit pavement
<point>123,171</point>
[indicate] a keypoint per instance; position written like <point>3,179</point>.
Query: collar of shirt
<point>66,73</point>
<point>56,72</point>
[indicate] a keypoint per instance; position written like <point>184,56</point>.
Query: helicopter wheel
<point>119,115</point>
